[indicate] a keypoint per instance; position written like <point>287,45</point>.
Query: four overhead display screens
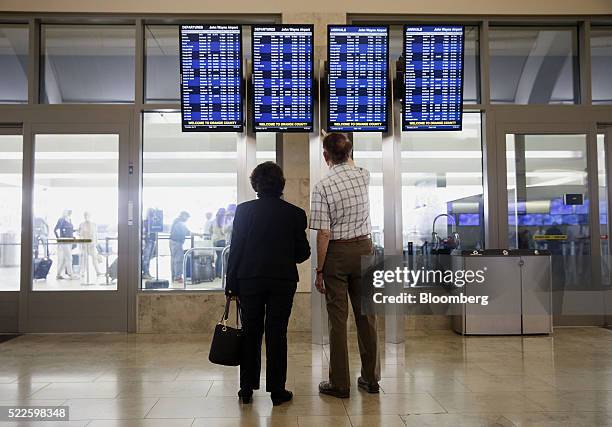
<point>283,78</point>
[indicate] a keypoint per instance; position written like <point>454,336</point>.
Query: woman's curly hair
<point>267,179</point>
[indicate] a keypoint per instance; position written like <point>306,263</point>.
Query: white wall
<point>461,7</point>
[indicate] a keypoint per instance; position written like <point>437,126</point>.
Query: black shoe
<point>327,388</point>
<point>281,397</point>
<point>245,396</point>
<point>369,387</point>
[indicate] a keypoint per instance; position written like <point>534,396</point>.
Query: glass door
<point>11,165</point>
<point>548,202</point>
<point>79,217</point>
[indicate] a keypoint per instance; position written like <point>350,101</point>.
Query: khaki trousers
<point>342,276</point>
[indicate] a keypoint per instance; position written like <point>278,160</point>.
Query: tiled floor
<point>436,378</point>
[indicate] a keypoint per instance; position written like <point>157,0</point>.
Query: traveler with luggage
<point>340,212</point>
<point>269,238</point>
<point>178,234</point>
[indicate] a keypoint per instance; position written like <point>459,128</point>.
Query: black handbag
<point>226,345</point>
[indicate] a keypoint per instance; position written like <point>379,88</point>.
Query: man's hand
<point>319,283</point>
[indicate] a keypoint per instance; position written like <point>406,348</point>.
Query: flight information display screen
<point>433,78</point>
<point>282,78</point>
<point>211,78</point>
<point>358,75</point>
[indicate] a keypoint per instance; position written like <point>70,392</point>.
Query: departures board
<point>358,78</point>
<point>282,78</point>
<point>211,78</point>
<point>433,78</point>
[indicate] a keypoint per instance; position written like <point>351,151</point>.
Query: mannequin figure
<point>88,230</point>
<point>65,230</point>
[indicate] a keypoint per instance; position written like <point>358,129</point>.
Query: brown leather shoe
<point>327,388</point>
<point>369,387</point>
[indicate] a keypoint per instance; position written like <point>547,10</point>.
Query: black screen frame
<point>387,80</point>
<point>404,129</point>
<point>280,129</point>
<point>216,128</point>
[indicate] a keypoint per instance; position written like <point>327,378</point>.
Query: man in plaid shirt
<point>340,212</point>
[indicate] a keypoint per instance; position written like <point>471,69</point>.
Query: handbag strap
<point>225,316</point>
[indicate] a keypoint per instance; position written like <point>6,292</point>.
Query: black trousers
<point>266,306</point>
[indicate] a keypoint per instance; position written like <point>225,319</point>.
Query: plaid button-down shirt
<point>340,202</point>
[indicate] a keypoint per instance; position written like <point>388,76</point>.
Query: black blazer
<point>268,239</point>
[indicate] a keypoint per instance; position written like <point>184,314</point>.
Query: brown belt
<point>353,239</point>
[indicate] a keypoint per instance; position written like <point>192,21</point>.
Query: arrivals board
<point>357,78</point>
<point>282,78</point>
<point>211,78</point>
<point>433,78</point>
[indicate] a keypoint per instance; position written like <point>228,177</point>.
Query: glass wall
<point>548,206</point>
<point>189,193</point>
<point>11,161</point>
<point>442,181</point>
<point>161,63</point>
<point>266,147</point>
<point>88,63</point>
<point>75,212</point>
<point>367,153</point>
<point>601,64</point>
<point>534,65</point>
<point>14,63</point>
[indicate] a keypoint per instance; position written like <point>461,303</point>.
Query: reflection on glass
<point>189,200</point>
<point>533,65</point>
<point>604,238</point>
<point>14,63</point>
<point>547,202</point>
<point>87,63</point>
<point>367,153</point>
<point>601,64</point>
<point>442,175</point>
<point>75,212</point>
<point>471,65</point>
<point>11,153</point>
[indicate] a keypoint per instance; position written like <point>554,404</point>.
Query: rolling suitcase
<point>41,268</point>
<point>202,269</point>
<point>157,284</point>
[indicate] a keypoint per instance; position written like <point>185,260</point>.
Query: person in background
<point>149,245</point>
<point>269,239</point>
<point>230,213</point>
<point>178,234</point>
<point>218,238</point>
<point>64,230</point>
<point>88,230</point>
<point>340,212</point>
<point>208,225</point>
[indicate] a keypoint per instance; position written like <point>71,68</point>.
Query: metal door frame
<point>79,311</point>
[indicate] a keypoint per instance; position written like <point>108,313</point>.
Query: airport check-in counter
<point>518,284</point>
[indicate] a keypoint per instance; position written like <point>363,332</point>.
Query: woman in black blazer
<point>269,238</point>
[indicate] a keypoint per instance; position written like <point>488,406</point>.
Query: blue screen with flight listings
<point>282,77</point>
<point>358,78</point>
<point>211,78</point>
<point>433,78</point>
